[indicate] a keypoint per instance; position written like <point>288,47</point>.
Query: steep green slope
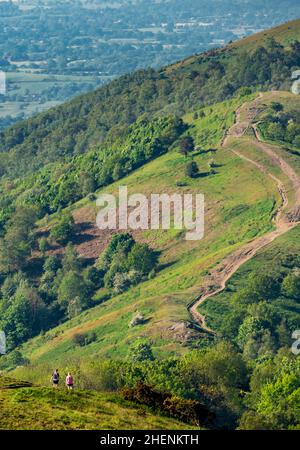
<point>97,118</point>
<point>232,218</point>
<point>244,188</point>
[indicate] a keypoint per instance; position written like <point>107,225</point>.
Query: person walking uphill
<point>69,381</point>
<point>55,378</point>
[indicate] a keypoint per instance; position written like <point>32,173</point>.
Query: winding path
<point>284,219</point>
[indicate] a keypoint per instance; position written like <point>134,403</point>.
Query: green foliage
<point>64,230</point>
<point>43,246</point>
<point>73,293</point>
<point>291,285</point>
<point>190,411</point>
<point>126,262</point>
<point>274,397</point>
<point>263,286</point>
<point>186,145</point>
<point>281,126</point>
<point>192,169</point>
<point>141,351</point>
<point>17,243</point>
<point>276,106</point>
<point>22,312</point>
<point>142,259</point>
<point>12,360</point>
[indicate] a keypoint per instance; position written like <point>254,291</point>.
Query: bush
<point>276,106</point>
<point>139,319</point>
<point>192,169</point>
<point>64,230</point>
<point>142,259</point>
<point>189,411</point>
<point>141,351</point>
<point>43,245</point>
<point>83,339</point>
<point>12,360</point>
<point>79,339</point>
<point>187,145</point>
<point>291,285</point>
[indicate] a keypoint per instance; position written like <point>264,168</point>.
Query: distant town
<point>52,51</point>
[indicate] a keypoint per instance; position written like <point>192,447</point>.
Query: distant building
<point>2,83</point>
<point>296,84</point>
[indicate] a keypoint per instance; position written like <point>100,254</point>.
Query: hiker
<point>69,381</point>
<point>55,378</point>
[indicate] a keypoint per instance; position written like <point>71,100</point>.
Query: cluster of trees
<point>18,239</point>
<point>255,322</point>
<point>66,285</point>
<point>218,381</point>
<point>61,184</point>
<point>233,392</point>
<point>28,308</point>
<point>281,126</point>
<point>126,262</point>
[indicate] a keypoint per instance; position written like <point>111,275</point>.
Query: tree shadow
<point>205,151</point>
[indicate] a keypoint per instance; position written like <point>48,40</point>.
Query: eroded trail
<point>286,217</point>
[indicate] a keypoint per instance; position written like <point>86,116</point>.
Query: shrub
<point>192,169</point>
<point>291,285</point>
<point>142,258</point>
<point>64,230</point>
<point>43,245</point>
<point>79,339</point>
<point>138,319</point>
<point>83,339</point>
<point>141,351</point>
<point>187,145</point>
<point>189,411</point>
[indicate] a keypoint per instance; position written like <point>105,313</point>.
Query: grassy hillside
<point>97,118</point>
<point>53,308</point>
<point>36,408</point>
<point>231,219</point>
<point>285,34</point>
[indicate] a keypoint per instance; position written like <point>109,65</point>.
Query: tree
<point>276,131</point>
<point>263,286</point>
<point>192,169</point>
<point>250,328</point>
<point>71,260</point>
<point>18,241</point>
<point>120,243</point>
<point>73,293</point>
<point>276,106</point>
<point>186,145</point>
<point>64,230</point>
<point>291,285</point>
<point>51,264</point>
<point>43,246</point>
<point>141,351</point>
<point>273,402</point>
<point>24,316</point>
<point>142,258</point>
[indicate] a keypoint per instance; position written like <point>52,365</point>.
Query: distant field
<point>29,93</point>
